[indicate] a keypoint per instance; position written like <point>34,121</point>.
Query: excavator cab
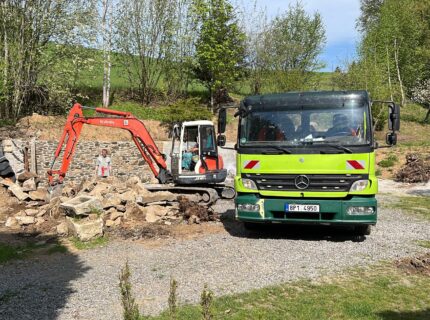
<point>194,154</point>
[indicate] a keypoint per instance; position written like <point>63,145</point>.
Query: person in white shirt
<point>103,166</point>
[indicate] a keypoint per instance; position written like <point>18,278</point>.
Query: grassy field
<point>379,293</point>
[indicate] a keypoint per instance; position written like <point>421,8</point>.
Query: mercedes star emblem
<point>301,182</point>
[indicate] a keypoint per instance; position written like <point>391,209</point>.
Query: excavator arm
<point>123,120</point>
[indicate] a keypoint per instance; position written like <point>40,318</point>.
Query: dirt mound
<point>416,169</point>
<point>51,128</point>
<point>417,265</point>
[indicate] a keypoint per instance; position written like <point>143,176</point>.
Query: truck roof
<point>308,98</point>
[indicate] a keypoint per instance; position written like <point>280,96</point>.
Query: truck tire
<point>250,226</point>
<point>363,230</point>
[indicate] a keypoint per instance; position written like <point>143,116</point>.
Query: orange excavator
<point>203,174</point>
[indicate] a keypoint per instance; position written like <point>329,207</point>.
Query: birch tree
<point>107,18</point>
<point>145,37</point>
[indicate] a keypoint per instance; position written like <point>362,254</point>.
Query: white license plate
<point>302,207</point>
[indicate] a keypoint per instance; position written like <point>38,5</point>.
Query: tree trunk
<point>5,112</point>
<point>389,75</point>
<point>396,57</point>
<point>428,113</point>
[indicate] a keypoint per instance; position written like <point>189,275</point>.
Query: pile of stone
<point>416,169</point>
<point>91,208</point>
<point>25,187</point>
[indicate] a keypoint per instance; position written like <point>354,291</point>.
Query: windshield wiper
<point>337,146</point>
<point>332,145</point>
<point>283,150</point>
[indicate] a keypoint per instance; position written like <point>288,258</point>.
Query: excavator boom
<point>117,119</point>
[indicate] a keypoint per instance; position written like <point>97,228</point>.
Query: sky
<point>339,17</point>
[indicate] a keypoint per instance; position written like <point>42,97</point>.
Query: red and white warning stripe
<point>251,164</point>
<point>355,164</point>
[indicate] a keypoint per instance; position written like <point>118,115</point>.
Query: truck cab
<point>308,158</point>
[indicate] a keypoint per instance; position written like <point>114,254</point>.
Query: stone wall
<point>126,159</point>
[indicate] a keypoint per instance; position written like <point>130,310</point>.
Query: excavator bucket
<point>54,191</point>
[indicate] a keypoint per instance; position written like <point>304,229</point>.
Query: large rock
<point>31,212</point>
<point>100,190</point>
<point>11,222</point>
<point>25,220</point>
<point>29,185</point>
<point>128,197</point>
<point>133,211</point>
<point>16,190</point>
<point>6,182</point>
<point>63,229</point>
<point>151,197</point>
<point>152,217</point>
<point>85,229</point>
<point>115,215</point>
<point>41,194</point>
<point>81,205</point>
<point>26,175</point>
<point>111,200</point>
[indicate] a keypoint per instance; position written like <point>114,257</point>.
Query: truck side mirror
<point>391,138</point>
<point>222,120</point>
<point>221,139</point>
<point>394,117</point>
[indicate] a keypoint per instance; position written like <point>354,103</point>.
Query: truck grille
<point>315,182</point>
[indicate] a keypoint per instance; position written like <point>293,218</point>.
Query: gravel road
<point>85,286</point>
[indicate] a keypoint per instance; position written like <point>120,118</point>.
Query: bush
<point>389,161</point>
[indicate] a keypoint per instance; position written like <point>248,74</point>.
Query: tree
<point>37,37</point>
<point>220,46</point>
<point>145,37</point>
<point>295,40</point>
<point>106,18</point>
<point>421,95</point>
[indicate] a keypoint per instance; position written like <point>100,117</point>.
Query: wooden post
<point>33,167</point>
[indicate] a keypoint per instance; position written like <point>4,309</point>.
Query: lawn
<point>381,292</point>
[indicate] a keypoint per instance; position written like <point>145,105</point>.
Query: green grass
<point>384,293</point>
<point>413,113</point>
<point>57,248</point>
<point>94,243</point>
<point>416,205</point>
<point>6,122</point>
<point>11,252</point>
<point>389,161</point>
<point>424,243</point>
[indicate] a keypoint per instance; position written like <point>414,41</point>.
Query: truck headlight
<point>360,210</point>
<point>248,207</point>
<point>249,184</point>
<point>359,185</point>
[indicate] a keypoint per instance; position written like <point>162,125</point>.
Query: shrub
<point>131,310</point>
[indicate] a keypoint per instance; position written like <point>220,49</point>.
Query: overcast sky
<point>339,18</point>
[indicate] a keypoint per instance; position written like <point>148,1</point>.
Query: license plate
<point>302,207</point>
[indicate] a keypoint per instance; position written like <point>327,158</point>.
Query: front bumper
<point>332,211</point>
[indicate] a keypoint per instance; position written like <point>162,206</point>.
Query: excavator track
<point>207,195</point>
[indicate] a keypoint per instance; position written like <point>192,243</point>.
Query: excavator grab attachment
<point>118,119</point>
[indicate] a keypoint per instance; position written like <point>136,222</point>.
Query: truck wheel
<point>251,226</point>
<point>363,230</point>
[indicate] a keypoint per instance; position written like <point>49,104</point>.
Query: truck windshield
<point>347,126</point>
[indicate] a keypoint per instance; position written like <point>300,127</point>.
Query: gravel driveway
<point>85,286</point>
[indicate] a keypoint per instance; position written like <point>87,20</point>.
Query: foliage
<point>130,308</point>
<point>389,161</point>
<point>206,300</point>
<point>220,45</point>
<point>421,95</point>
<point>39,57</point>
<point>173,299</point>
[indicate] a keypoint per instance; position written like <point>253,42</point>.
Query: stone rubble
<point>93,207</point>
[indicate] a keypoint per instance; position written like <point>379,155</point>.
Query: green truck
<point>308,158</point>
